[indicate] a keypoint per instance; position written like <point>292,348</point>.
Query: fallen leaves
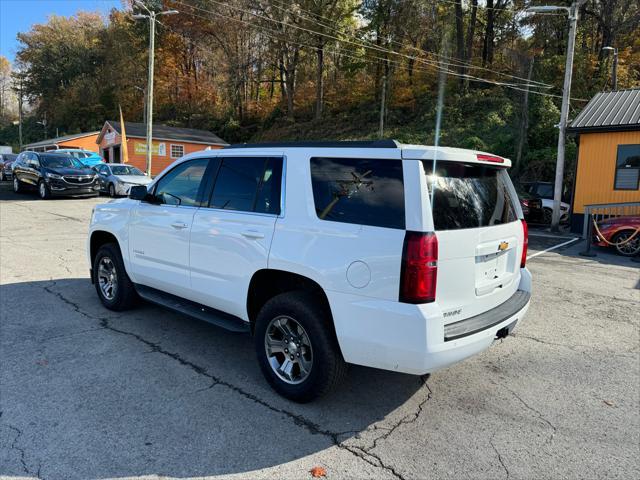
<point>317,472</point>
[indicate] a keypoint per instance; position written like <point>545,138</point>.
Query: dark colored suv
<point>54,174</point>
<point>6,159</point>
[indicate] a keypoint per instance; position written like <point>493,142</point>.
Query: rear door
<point>480,236</point>
<point>232,232</point>
<point>160,228</point>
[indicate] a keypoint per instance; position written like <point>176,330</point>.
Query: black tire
<point>111,189</point>
<point>43,190</point>
<point>328,367</point>
<point>125,295</point>
<point>17,185</point>
<point>2,177</point>
<point>629,249</point>
<point>547,216</point>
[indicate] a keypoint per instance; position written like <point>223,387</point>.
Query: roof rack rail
<point>321,144</point>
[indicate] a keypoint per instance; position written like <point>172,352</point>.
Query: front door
<point>160,229</point>
<point>232,232</point>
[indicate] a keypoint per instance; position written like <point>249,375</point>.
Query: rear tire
<point>310,320</point>
<point>108,271</point>
<point>629,249</point>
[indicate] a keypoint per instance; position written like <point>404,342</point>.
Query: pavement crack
<point>21,451</point>
<point>499,455</point>
<point>298,420</point>
<point>537,412</point>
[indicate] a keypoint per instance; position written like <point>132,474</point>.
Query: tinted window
<point>627,167</point>
<point>181,186</point>
<point>469,195</point>
<point>360,191</point>
<point>545,190</point>
<point>249,184</point>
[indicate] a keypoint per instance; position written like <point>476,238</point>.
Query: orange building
<point>169,144</point>
<point>608,169</point>
<point>84,141</point>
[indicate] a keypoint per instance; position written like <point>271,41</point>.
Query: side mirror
<point>138,192</point>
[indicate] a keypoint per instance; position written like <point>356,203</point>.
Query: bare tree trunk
<point>471,31</point>
<point>319,79</point>
<point>524,120</point>
<point>459,34</point>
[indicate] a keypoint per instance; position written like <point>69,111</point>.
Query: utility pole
<point>151,15</point>
<point>566,94</point>
<point>383,100</point>
<point>20,112</point>
<point>614,67</point>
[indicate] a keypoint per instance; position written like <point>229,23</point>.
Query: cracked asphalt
<point>86,393</point>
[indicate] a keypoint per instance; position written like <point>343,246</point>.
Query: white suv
<point>327,252</point>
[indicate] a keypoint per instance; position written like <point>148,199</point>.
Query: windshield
<point>545,190</point>
<point>469,195</point>
<point>125,170</point>
<point>60,161</point>
<point>78,154</point>
<point>9,157</point>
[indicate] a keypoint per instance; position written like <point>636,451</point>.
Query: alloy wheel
<point>42,189</point>
<point>107,278</point>
<point>629,248</point>
<point>16,185</point>
<point>288,350</point>
<point>112,191</point>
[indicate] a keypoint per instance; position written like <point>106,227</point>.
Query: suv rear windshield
<point>469,195</point>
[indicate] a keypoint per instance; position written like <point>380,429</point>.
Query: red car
<point>617,230</point>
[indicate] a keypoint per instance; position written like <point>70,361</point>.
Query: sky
<point>18,16</point>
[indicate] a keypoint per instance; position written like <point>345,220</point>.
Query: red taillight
<point>489,158</point>
<point>525,244</point>
<point>419,270</point>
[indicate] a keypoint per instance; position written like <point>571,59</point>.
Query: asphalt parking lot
<point>89,393</point>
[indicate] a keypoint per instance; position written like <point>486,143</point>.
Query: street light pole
<point>151,15</point>
<point>564,111</point>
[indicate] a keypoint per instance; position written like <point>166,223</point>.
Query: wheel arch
<point>267,283</point>
<point>99,238</point>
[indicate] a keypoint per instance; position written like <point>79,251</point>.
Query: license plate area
<point>494,266</point>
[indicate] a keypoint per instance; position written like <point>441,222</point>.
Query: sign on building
<point>158,149</point>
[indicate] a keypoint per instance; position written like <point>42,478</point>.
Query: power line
<point>450,61</point>
<point>378,48</point>
<point>517,87</point>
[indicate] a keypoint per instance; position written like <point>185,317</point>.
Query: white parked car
<point>328,253</point>
<point>117,179</point>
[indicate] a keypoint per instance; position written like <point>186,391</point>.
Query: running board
<point>193,309</point>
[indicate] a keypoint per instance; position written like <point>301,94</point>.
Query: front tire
<point>43,190</point>
<point>296,347</point>
<point>547,216</point>
<point>112,190</point>
<point>17,186</point>
<point>113,285</point>
<point>629,249</point>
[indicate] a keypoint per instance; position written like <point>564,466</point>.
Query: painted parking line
<point>553,247</point>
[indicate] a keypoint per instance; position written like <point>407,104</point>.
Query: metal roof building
<point>610,111</point>
<point>86,141</point>
<point>608,168</point>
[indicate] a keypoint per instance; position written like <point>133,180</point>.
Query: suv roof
<point>408,151</point>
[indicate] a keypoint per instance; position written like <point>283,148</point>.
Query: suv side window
<point>182,185</point>
<point>248,184</point>
<point>359,191</point>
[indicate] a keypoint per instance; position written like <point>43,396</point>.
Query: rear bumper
<point>414,338</point>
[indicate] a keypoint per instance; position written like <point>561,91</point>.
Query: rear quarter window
<point>359,191</point>
<point>469,195</point>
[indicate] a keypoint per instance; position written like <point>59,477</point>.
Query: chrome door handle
<point>253,234</point>
<point>179,225</point>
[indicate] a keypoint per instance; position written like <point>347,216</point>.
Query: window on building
<point>248,184</point>
<point>627,168</point>
<point>359,191</point>
<point>177,151</point>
